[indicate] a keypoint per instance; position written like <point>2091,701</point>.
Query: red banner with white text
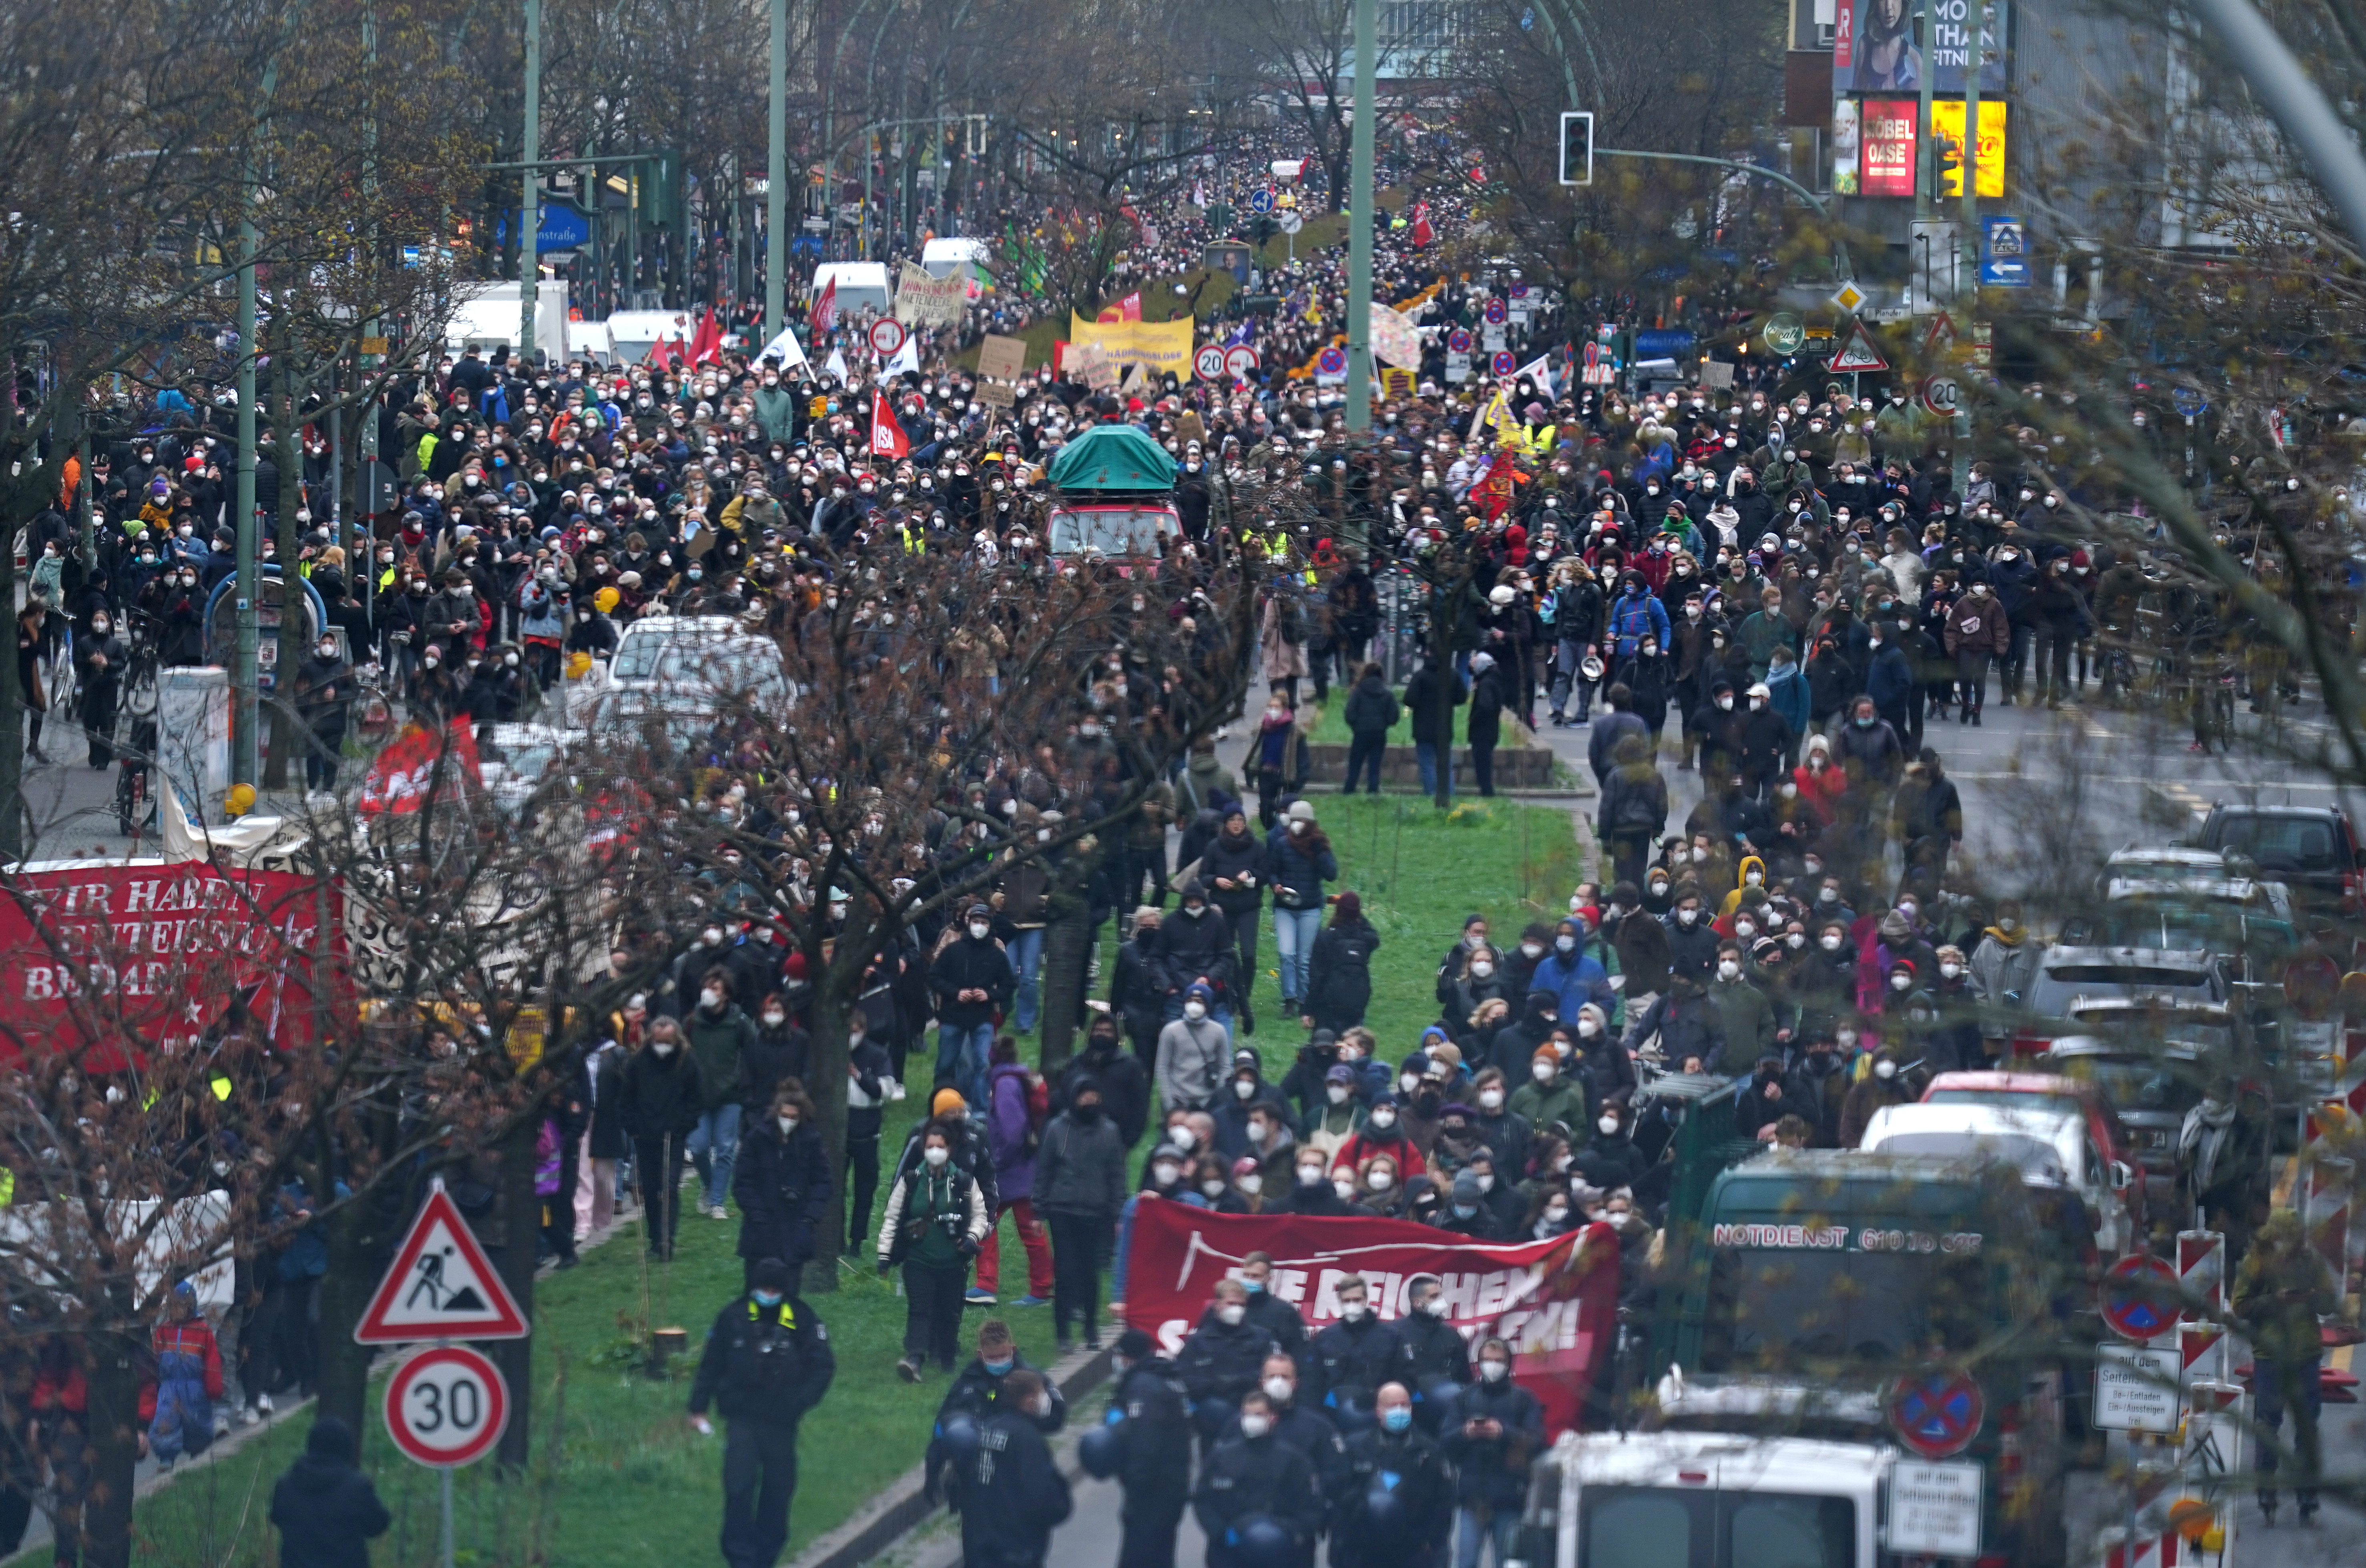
<point>417,763</point>
<point>1556,1302</point>
<point>108,955</point>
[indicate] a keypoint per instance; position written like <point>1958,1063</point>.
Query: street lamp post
<point>776,176</point>
<point>530,182</point>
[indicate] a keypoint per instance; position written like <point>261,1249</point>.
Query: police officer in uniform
<point>1157,1469</point>
<point>767,1362</point>
<point>1255,1486</point>
<point>983,1386</point>
<point>1351,1358</point>
<point>1440,1358</point>
<point>1009,1493</point>
<point>1220,1362</point>
<point>1397,1507</point>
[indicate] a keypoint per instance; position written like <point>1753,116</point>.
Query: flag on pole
<point>887,437</point>
<point>1489,414</point>
<point>825,310</point>
<point>786,349</point>
<point>1422,232</point>
<point>836,367</point>
<point>706,344</point>
<point>904,358</point>
<point>1539,369</point>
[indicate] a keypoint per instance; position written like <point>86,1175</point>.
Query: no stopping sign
<point>446,1406</point>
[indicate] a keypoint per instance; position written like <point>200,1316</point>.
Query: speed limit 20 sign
<point>446,1406</point>
<point>1942,395</point>
<point>1210,362</point>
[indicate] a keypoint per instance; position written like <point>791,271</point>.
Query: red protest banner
<point>403,774</point>
<point>1555,1301</point>
<point>93,954</point>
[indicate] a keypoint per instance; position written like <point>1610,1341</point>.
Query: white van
<point>861,286</point>
<point>940,257</point>
<point>487,316</point>
<point>590,341</point>
<point>632,333</point>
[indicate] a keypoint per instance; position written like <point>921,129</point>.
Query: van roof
<point>852,275</point>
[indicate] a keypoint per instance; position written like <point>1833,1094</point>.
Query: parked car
<point>2053,1149</point>
<point>517,760</point>
<point>2313,849</point>
<point>684,667</point>
<point>2053,1091</point>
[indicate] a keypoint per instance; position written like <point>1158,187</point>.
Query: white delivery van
<point>861,286</point>
<point>632,333</point>
<point>488,315</point>
<point>590,341</point>
<point>940,257</point>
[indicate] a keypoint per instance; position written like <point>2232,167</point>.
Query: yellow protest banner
<point>1158,347</point>
<point>1397,383</point>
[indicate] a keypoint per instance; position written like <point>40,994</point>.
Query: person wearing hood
<point>1645,957</point>
<point>1372,712</point>
<point>1246,1096</point>
<point>1490,695</point>
<point>661,1101</point>
<point>1608,1158</point>
<point>325,1509</point>
<point>1080,1187</point>
<point>1205,783</point>
<point>1339,971</point>
<point>1467,1211</point>
<point>2005,965</point>
<point>1769,1097</point>
<point>1572,974</point>
<point>1122,1078</point>
<point>1504,1130</point>
<point>1335,1119</point>
<point>1884,1085</point>
<point>1927,816</point>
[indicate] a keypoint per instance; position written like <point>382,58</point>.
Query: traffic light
<point>1947,165</point>
<point>1577,147</point>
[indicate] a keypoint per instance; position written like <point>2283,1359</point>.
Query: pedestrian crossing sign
<point>441,1286</point>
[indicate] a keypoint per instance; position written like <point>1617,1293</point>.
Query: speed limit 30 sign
<point>446,1406</point>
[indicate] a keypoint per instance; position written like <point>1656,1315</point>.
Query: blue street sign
<point>1662,344</point>
<point>563,228</point>
<point>2004,254</point>
<point>2189,403</point>
<point>1261,199</point>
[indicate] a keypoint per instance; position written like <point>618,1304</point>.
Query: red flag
<point>1422,232</point>
<point>1130,308</point>
<point>416,762</point>
<point>887,437</point>
<point>660,354</point>
<point>706,344</point>
<point>825,310</point>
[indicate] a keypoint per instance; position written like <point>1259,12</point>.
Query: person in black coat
<point>1347,1361</point>
<point>780,1050</point>
<point>1490,695</point>
<point>1339,971</point>
<point>1609,1158</point>
<point>1223,1356</point>
<point>1253,1479</point>
<point>326,1510</point>
<point>1121,1077</point>
<point>1010,1493</point>
<point>1137,995</point>
<point>1440,1357</point>
<point>1500,1430</point>
<point>1767,1100</point>
<point>781,1182</point>
<point>1397,1507</point>
<point>766,1362</point>
<point>1372,712</point>
<point>1157,1472</point>
<point>661,1101</point>
<point>868,1070</point>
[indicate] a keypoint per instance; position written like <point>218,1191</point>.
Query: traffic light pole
<point>1840,259</point>
<point>1363,211</point>
<point>1926,186</point>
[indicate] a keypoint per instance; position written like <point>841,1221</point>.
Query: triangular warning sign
<point>442,1286</point>
<point>1856,352</point>
<point>1940,338</point>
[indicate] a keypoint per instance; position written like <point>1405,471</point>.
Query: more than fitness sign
<point>1555,1303</point>
<point>96,952</point>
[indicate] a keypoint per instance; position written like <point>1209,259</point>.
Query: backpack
<point>1636,811</point>
<point>1291,622</point>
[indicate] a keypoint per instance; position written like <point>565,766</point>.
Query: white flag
<point>906,358</point>
<point>786,349</point>
<point>836,367</point>
<point>1538,370</point>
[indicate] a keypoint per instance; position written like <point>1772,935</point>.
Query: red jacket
<point>190,1337</point>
